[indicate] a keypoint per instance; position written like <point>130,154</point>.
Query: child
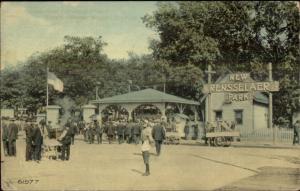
<point>146,140</point>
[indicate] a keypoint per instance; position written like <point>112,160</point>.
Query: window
<point>238,116</point>
<point>218,115</point>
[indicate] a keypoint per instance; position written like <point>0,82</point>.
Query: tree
<point>240,36</point>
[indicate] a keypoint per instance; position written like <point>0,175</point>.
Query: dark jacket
<point>110,129</point>
<point>98,128</point>
<point>136,129</point>
<point>4,132</point>
<point>128,129</point>
<point>12,132</point>
<point>120,129</point>
<point>66,140</point>
<point>37,138</point>
<point>158,133</point>
<point>29,134</point>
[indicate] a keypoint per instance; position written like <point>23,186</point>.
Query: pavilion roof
<point>145,96</point>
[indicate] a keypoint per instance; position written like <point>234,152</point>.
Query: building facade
<point>248,114</point>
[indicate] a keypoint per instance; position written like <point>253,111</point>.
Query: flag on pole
<point>55,82</point>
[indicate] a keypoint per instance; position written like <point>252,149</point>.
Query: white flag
<point>55,82</point>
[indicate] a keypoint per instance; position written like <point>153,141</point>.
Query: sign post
<point>209,72</point>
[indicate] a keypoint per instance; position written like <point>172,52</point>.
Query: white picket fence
<point>281,134</point>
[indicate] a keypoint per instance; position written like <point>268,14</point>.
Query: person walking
<point>136,133</point>
<point>12,137</point>
<point>73,131</point>
<point>65,140</point>
<point>296,132</point>
<point>158,134</point>
<point>37,142</point>
<point>98,130</point>
<point>4,133</point>
<point>146,146</point>
<point>127,132</point>
<point>29,140</point>
<point>120,132</point>
<point>110,132</point>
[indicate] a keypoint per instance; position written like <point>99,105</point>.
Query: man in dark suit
<point>127,132</point>
<point>110,131</point>
<point>98,130</point>
<point>158,134</point>
<point>120,131</point>
<point>12,137</point>
<point>136,133</point>
<point>29,138</point>
<point>37,142</point>
<point>4,133</point>
<point>65,140</point>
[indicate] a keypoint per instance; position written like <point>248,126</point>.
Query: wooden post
<point>271,103</point>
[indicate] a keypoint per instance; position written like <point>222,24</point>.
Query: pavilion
<point>130,101</point>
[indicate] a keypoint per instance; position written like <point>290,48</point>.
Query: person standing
<point>296,132</point>
<point>37,142</point>
<point>29,140</point>
<point>99,131</point>
<point>65,140</point>
<point>186,129</point>
<point>136,133</point>
<point>120,132</point>
<point>12,137</point>
<point>127,132</point>
<point>73,131</point>
<point>110,131</point>
<point>158,134</point>
<point>4,133</point>
<point>43,125</point>
<point>146,146</point>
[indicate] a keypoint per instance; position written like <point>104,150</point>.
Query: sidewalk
<point>249,144</point>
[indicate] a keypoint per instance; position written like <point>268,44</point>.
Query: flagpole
<point>47,88</point>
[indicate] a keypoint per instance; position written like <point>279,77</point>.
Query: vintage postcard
<point>149,95</point>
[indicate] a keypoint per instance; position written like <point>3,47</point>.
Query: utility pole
<point>271,103</point>
<point>209,72</point>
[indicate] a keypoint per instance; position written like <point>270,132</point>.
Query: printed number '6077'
<point>27,181</point>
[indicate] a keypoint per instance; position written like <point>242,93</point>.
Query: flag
<point>55,82</point>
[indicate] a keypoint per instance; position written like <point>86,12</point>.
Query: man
<point>5,136</point>
<point>37,142</point>
<point>110,131</point>
<point>65,140</point>
<point>43,125</point>
<point>136,133</point>
<point>146,146</point>
<point>187,129</point>
<point>296,132</point>
<point>29,139</point>
<point>12,137</point>
<point>98,130</point>
<point>158,134</point>
<point>73,131</point>
<point>127,132</point>
<point>48,129</point>
<point>120,132</point>
<point>91,133</point>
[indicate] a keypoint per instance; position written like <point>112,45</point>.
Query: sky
<point>30,27</point>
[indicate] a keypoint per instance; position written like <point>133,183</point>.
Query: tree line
<point>236,36</point>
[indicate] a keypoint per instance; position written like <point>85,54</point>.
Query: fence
<point>281,135</point>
